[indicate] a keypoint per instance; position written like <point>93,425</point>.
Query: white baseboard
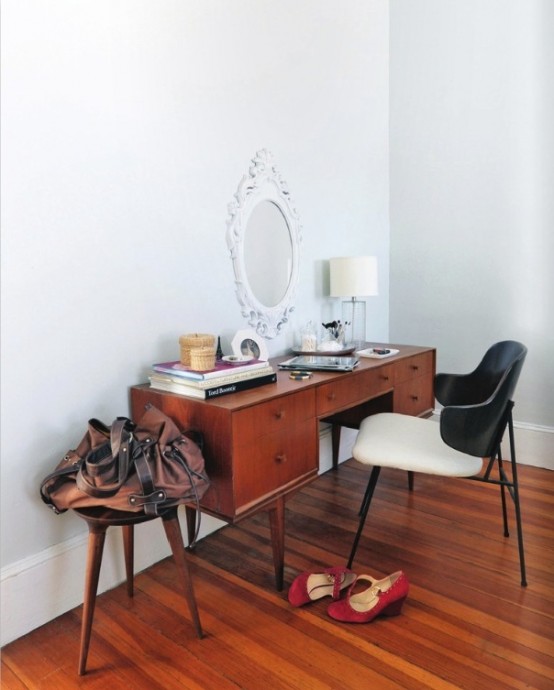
<point>534,445</point>
<point>41,587</point>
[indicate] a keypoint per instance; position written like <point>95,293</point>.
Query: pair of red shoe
<point>382,598</point>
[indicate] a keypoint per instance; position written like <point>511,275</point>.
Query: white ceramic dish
<point>237,359</point>
<point>377,353</point>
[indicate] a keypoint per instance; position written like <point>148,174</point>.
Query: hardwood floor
<point>467,622</point>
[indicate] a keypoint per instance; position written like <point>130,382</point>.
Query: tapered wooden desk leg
<point>277,526</point>
<point>175,539</point>
<point>335,444</point>
<point>96,540</point>
<point>192,517</point>
<point>129,550</point>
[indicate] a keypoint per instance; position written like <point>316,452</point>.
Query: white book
<point>170,385</point>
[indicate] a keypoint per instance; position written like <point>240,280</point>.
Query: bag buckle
<point>155,497</point>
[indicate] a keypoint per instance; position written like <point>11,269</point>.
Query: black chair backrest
<point>480,384</point>
<point>476,427</point>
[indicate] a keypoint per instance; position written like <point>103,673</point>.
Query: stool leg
<point>175,539</point>
<point>129,550</point>
<point>97,536</point>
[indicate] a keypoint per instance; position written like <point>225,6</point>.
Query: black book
<point>171,386</point>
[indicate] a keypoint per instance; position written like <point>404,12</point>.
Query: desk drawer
<point>276,415</point>
<point>353,388</point>
<point>415,396</point>
<point>413,367</point>
<point>274,460</point>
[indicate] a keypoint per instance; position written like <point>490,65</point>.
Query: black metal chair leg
<point>503,495</point>
<point>374,476</point>
<point>515,496</point>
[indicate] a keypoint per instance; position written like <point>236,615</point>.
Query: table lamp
<point>354,277</point>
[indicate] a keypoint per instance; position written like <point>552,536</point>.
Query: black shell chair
<point>477,410</point>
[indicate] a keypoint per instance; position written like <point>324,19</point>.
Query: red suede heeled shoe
<point>312,586</point>
<point>383,598</point>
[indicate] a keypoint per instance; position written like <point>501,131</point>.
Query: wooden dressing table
<point>263,444</point>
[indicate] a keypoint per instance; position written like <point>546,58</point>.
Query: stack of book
<point>223,379</point>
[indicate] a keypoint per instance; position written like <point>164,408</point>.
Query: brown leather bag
<point>146,467</point>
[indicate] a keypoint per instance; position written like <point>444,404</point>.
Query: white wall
<point>471,174</point>
<point>126,127</point>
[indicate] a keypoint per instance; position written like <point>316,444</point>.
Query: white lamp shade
<point>354,276</point>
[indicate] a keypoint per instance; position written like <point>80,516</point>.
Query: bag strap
<point>120,436</point>
<point>74,462</point>
<point>150,496</point>
<point>120,446</point>
<point>177,455</point>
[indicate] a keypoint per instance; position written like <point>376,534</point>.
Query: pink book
<point>220,369</point>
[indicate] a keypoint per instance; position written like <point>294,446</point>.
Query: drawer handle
<point>280,459</point>
<point>331,396</point>
<point>385,378</point>
<point>415,367</point>
<point>279,414</point>
<point>415,398</point>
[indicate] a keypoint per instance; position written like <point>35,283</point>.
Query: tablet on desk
<point>320,363</point>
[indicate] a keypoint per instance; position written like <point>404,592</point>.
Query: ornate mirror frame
<point>262,183</point>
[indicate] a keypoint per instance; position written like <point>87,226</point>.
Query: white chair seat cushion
<point>410,443</point>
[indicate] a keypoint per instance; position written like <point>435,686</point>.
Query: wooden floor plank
<point>467,622</point>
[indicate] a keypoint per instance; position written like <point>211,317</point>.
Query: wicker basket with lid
<point>202,358</point>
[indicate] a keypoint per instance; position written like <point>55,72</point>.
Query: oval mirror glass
<point>268,253</point>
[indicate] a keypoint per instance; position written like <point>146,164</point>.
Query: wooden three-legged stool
<point>98,521</point>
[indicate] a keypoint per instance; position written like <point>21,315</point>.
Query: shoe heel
<point>394,608</point>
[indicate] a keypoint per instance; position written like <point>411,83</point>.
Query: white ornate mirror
<point>263,235</point>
